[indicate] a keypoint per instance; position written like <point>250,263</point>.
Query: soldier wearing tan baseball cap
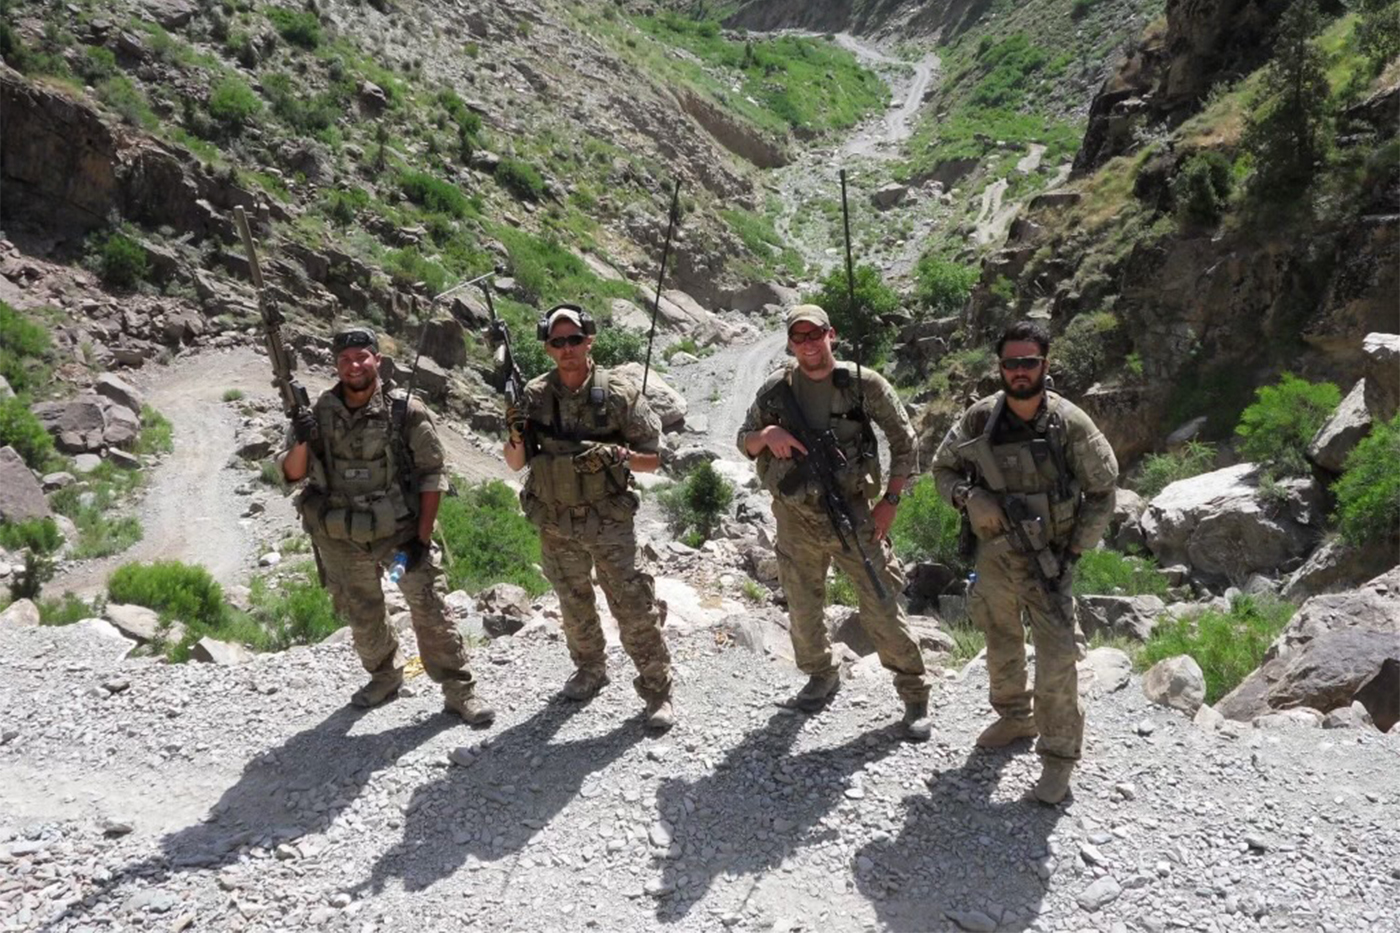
<point>812,314</point>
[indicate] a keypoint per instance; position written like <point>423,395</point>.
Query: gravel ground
<point>141,795</point>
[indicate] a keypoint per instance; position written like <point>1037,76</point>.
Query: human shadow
<point>490,808</point>
<point>964,850</point>
<point>759,806</point>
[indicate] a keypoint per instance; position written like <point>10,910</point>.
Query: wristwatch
<point>892,498</point>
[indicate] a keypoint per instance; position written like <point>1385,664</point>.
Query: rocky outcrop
<point>1333,648</point>
<point>21,496</point>
<point>1125,616</point>
<point>89,423</point>
<point>1337,566</point>
<point>740,138</point>
<point>1342,431</point>
<point>1382,367</point>
<point>669,405</point>
<point>22,612</point>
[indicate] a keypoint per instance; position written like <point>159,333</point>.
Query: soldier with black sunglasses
<point>1035,478</point>
<point>583,431</point>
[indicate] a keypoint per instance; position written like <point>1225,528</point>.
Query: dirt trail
<point>879,138</point>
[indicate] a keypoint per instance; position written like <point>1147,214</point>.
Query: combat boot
<point>1054,779</point>
<point>1006,730</point>
<point>817,693</point>
<point>917,727</point>
<point>381,687</point>
<point>584,684</point>
<point>473,711</point>
<point>661,716</point>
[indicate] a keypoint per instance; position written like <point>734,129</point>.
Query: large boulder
<point>119,391</point>
<point>1176,682</point>
<point>443,341</point>
<point>1127,616</point>
<point>1334,647</point>
<point>21,496</point>
<point>1221,525</point>
<point>138,623</point>
<point>682,315</point>
<point>1382,375</point>
<point>212,651</point>
<point>1337,566</point>
<point>123,426</point>
<point>1342,431</point>
<point>22,613</point>
<point>77,426</point>
<point>669,405</point>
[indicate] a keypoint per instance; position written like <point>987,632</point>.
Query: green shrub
<point>968,641</point>
<point>1368,494</point>
<point>1201,190</point>
<point>841,589</point>
<point>1276,429</point>
<point>121,261</point>
<point>232,395</point>
<point>407,266</point>
<point>863,327</point>
<point>29,581</point>
<point>1288,132</point>
<point>233,103</point>
<point>127,100</point>
<point>23,347</point>
<point>298,611</point>
<point>97,64</point>
<point>157,434</point>
<point>1227,645</point>
<point>1107,573</point>
<point>179,592</point>
<point>520,178</point>
<point>341,204</point>
<point>926,527</point>
<point>306,112</point>
<point>617,345</point>
<point>35,534</point>
<point>64,610</point>
<point>22,431</point>
<point>1161,470</point>
<point>88,505</point>
<point>1079,354</point>
<point>488,540</point>
<point>695,505</point>
<point>299,27</point>
<point>942,286</point>
<point>434,194</point>
<point>1008,67</point>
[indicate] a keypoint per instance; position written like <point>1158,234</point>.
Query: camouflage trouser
<point>1005,589</point>
<point>610,545</point>
<point>352,576</point>
<point>806,546</point>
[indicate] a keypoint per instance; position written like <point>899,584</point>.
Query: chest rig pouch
<point>360,493</point>
<point>557,494</point>
<point>848,423</point>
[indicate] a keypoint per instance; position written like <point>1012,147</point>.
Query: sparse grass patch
<point>157,435</point>
<point>293,609</point>
<point>127,100</point>
<point>64,610</point>
<point>20,429</point>
<point>1161,470</point>
<point>754,591</point>
<point>36,534</point>
<point>89,503</point>
<point>232,395</point>
<point>1227,645</point>
<point>968,641</point>
<point>24,347</point>
<point>1105,572</point>
<point>841,589</point>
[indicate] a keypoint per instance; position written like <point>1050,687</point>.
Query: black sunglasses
<point>817,334</point>
<point>572,340</point>
<point>1022,362</point>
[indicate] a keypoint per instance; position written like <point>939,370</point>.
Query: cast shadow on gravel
<point>522,781</point>
<point>961,851</point>
<point>818,780</point>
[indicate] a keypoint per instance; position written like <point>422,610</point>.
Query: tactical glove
<point>415,550</point>
<point>303,425</point>
<point>985,513</point>
<point>515,422</point>
<point>599,457</point>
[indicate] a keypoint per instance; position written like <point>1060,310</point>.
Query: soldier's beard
<point>360,383</point>
<point>1024,391</point>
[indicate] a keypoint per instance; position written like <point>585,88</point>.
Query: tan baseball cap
<point>563,314</point>
<point>813,314</point>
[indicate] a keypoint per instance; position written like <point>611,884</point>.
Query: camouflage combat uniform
<point>1075,504</point>
<point>359,514</point>
<point>585,519</point>
<point>806,542</point>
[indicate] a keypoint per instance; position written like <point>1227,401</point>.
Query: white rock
<point>1177,682</point>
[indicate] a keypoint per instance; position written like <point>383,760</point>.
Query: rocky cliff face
<point>881,17</point>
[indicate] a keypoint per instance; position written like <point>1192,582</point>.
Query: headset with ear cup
<point>585,321</point>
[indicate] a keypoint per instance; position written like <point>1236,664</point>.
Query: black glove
<point>1067,561</point>
<point>515,422</point>
<point>415,550</point>
<point>303,425</point>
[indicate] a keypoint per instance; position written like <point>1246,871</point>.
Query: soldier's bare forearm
<point>644,463</point>
<point>754,443</point>
<point>515,455</point>
<point>294,464</point>
<point>428,503</point>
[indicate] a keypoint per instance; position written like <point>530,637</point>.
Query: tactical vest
<point>1035,470</point>
<point>854,435</point>
<point>553,485</point>
<point>363,499</point>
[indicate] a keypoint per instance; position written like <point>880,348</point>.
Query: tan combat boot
<point>473,711</point>
<point>1007,730</point>
<point>381,687</point>
<point>819,690</point>
<point>916,726</point>
<point>661,716</point>
<point>584,684</point>
<point>1054,780</point>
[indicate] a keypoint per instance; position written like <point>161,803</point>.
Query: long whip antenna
<point>661,277</point>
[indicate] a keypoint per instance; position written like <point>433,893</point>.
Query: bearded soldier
<point>824,394</point>
<point>582,431</point>
<point>1036,479</point>
<point>373,467</point>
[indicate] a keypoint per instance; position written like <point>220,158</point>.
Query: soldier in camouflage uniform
<point>582,431</point>
<point>1027,453</point>
<point>845,399</point>
<point>373,467</point>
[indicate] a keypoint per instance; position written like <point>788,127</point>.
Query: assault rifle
<point>294,396</point>
<point>513,386</point>
<point>822,463</point>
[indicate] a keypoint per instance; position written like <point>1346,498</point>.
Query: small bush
<point>1277,428</point>
<point>863,326</point>
<point>341,205</point>
<point>433,194</point>
<point>1108,573</point>
<point>157,434</point>
<point>695,505</point>
<point>64,610</point>
<point>88,505</point>
<point>408,266</point>
<point>1161,470</point>
<point>1079,355</point>
<point>299,27</point>
<point>36,534</point>
<point>20,429</point>
<point>233,104</point>
<point>177,591</point>
<point>1201,190</point>
<point>841,589</point>
<point>1368,494</point>
<point>926,527</point>
<point>28,582</point>
<point>97,64</point>
<point>488,540</point>
<point>307,113</point>
<point>1080,9</point>
<point>298,611</point>
<point>617,345</point>
<point>23,347</point>
<point>1227,645</point>
<point>232,395</point>
<point>127,100</point>
<point>941,286</point>
<point>686,345</point>
<point>121,261</point>
<point>520,178</point>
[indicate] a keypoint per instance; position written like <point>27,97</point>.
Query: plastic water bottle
<point>398,567</point>
<point>971,580</point>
